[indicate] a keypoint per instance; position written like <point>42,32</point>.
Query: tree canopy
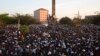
<point>66,20</point>
<point>25,19</point>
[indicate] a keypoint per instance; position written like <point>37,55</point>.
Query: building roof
<point>91,15</point>
<point>42,9</point>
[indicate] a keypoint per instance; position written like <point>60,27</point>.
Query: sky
<point>64,8</point>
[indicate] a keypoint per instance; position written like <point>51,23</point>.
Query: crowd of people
<point>57,40</point>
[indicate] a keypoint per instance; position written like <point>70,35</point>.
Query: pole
<point>18,24</point>
<point>52,19</point>
<point>53,8</point>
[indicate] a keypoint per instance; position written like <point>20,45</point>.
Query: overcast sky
<point>63,7</point>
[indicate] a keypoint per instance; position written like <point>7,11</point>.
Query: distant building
<point>90,16</point>
<point>41,15</point>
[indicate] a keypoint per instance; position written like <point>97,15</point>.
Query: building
<point>90,16</point>
<point>41,15</point>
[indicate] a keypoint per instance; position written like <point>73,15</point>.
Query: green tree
<point>6,19</point>
<point>2,18</point>
<point>87,21</point>
<point>77,22</point>
<point>66,20</point>
<point>25,19</point>
<point>24,29</point>
<point>1,24</point>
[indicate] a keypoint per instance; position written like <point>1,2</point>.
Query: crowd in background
<point>58,40</point>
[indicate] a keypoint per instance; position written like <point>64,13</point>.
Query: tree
<point>1,24</point>
<point>24,29</point>
<point>87,21</point>
<point>25,19</point>
<point>66,20</point>
<point>77,22</point>
<point>6,19</point>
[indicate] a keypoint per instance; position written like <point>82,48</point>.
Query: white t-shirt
<point>49,53</point>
